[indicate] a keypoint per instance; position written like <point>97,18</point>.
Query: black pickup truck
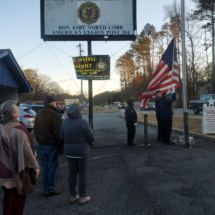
<point>197,105</point>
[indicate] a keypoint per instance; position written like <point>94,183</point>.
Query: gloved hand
<point>173,89</point>
<point>168,92</point>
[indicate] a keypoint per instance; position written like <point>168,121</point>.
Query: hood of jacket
<point>74,111</point>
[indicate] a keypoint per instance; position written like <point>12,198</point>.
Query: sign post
<point>90,87</point>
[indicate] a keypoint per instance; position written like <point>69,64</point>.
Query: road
<point>123,180</point>
<point>175,110</point>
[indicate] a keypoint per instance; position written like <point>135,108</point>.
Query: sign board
<point>92,67</point>
<point>208,120</point>
<point>78,20</point>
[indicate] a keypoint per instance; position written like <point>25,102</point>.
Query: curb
<point>192,134</point>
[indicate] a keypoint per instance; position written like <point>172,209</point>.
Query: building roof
<point>6,56</point>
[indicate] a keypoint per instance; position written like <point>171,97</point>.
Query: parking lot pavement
<point>152,180</point>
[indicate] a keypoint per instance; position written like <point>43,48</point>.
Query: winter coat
<point>47,126</point>
<point>76,133</point>
<point>157,106</point>
<point>130,114</point>
<point>166,111</point>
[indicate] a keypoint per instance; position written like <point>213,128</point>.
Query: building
<point>12,80</point>
<point>71,101</point>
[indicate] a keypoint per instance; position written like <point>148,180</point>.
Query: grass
<point>195,123</point>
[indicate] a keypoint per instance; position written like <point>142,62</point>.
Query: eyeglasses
<point>18,104</point>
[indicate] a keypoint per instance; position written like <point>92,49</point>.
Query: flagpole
<point>186,116</point>
<point>173,58</point>
<point>184,56</point>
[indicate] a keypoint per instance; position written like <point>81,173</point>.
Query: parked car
<point>147,108</point>
<point>197,105</point>
<point>121,106</point>
<point>34,107</point>
<point>27,117</point>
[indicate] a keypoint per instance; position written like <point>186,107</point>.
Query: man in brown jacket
<point>47,131</point>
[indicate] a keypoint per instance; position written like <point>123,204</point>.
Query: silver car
<point>27,117</point>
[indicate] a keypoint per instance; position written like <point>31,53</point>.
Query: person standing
<point>166,114</point>
<point>158,99</point>
<point>78,137</point>
<point>131,122</point>
<point>60,110</point>
<point>47,132</point>
<point>17,157</point>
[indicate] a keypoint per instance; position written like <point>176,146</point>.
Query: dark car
<point>197,105</point>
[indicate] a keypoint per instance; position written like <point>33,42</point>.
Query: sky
<point>20,32</point>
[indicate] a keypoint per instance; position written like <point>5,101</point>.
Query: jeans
<point>13,203</point>
<point>131,132</point>
<point>78,165</point>
<point>50,159</point>
<point>166,129</point>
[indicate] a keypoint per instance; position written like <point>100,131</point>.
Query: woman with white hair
<point>19,168</point>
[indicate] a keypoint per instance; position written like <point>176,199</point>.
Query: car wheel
<point>195,110</point>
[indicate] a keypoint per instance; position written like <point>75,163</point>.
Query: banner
<point>92,67</point>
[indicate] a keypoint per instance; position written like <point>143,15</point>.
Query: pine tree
<point>205,10</point>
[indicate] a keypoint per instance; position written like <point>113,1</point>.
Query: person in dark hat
<point>47,132</point>
<point>131,121</point>
<point>158,99</point>
<point>166,114</point>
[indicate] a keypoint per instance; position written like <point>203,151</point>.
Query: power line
<point>30,51</point>
<point>96,49</point>
<point>65,80</point>
<point>62,65</point>
<point>59,49</point>
<point>120,49</point>
<point>53,66</point>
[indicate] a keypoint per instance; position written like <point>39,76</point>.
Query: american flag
<point>165,76</point>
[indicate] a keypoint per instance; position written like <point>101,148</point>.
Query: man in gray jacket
<point>78,137</point>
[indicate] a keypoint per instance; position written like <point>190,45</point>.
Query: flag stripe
<point>164,77</point>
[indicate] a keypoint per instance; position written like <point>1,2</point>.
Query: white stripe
<point>158,75</point>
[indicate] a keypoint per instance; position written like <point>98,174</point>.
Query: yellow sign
<point>95,68</point>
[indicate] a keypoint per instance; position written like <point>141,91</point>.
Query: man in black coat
<point>131,121</point>
<point>158,99</point>
<point>166,114</point>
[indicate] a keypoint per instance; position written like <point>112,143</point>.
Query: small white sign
<point>208,120</point>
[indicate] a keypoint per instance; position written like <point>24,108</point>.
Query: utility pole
<point>80,50</point>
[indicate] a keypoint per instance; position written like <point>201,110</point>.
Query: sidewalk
<point>153,180</point>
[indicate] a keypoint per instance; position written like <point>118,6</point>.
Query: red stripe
<point>158,70</point>
<point>160,78</point>
<point>175,67</point>
<point>175,74</point>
